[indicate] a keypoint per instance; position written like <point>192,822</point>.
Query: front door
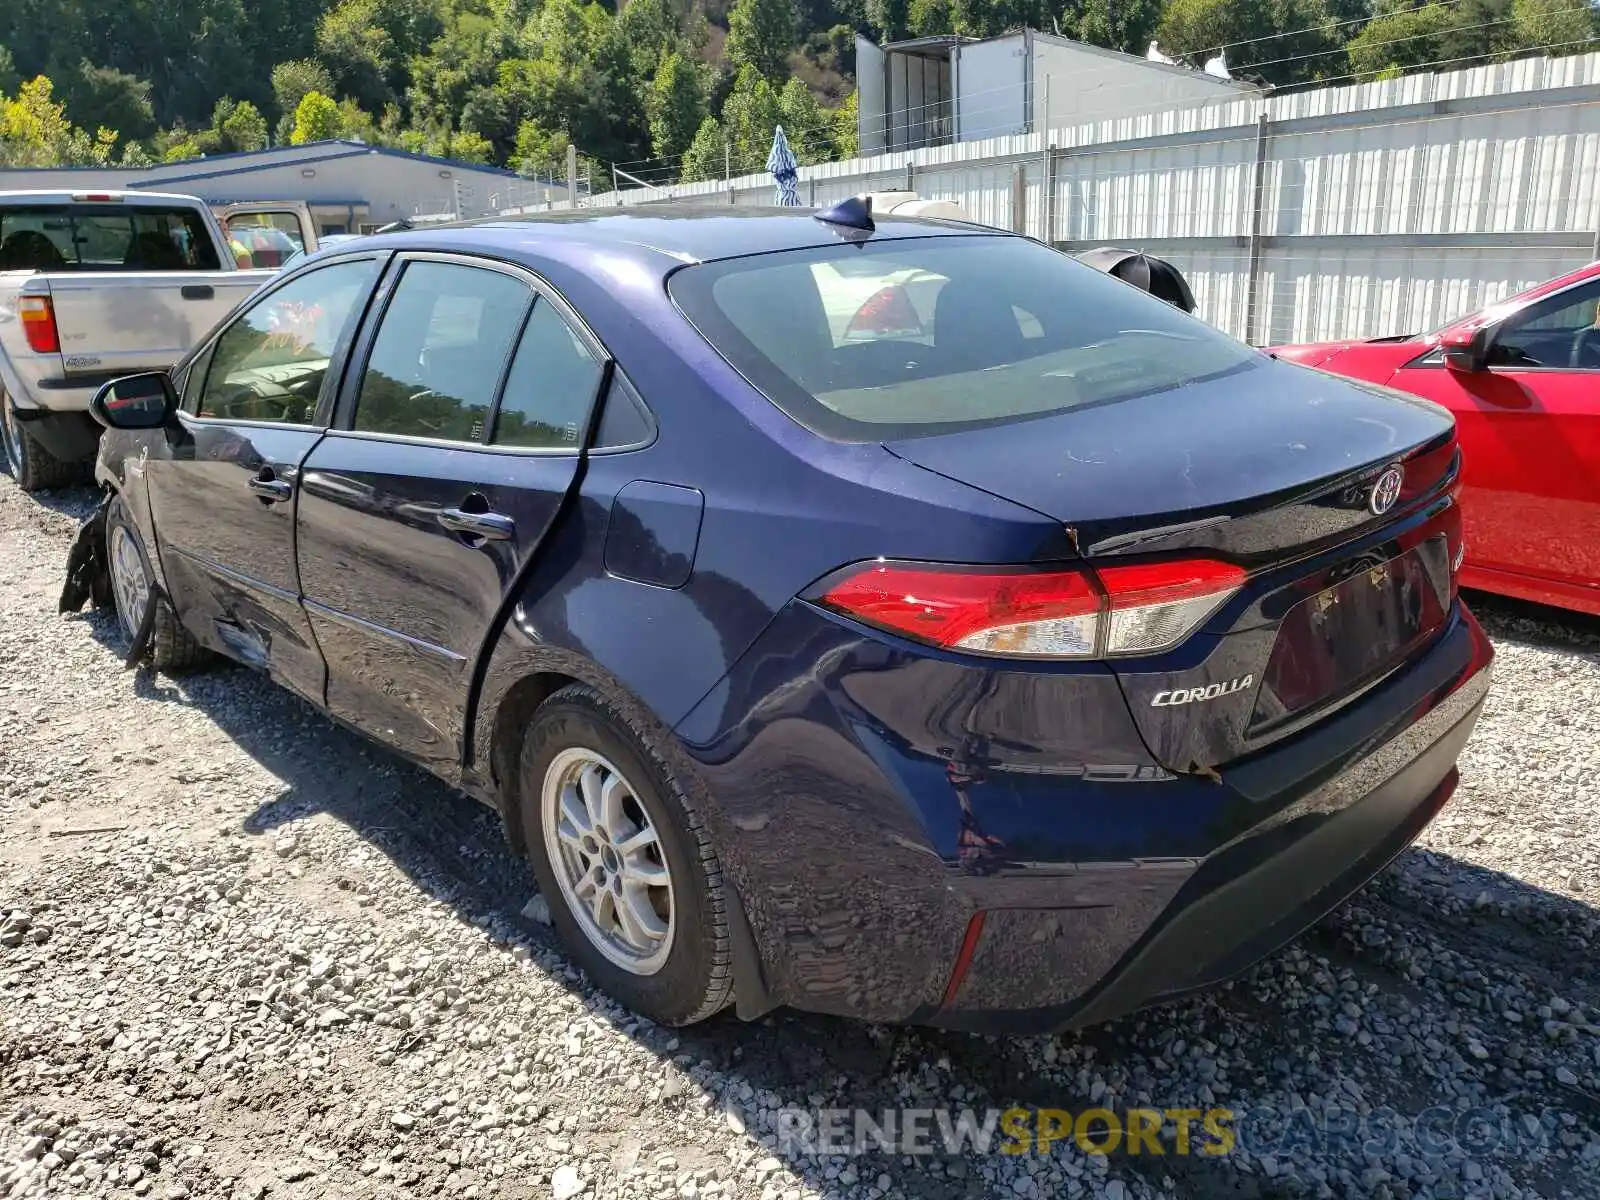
<point>223,486</point>
<point>456,443</point>
<point>1530,436</point>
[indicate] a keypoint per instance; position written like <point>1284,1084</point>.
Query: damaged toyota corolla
<point>1014,654</point>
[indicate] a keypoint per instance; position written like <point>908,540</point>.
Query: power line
<point>1272,62</point>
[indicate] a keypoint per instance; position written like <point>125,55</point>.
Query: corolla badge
<point>1386,491</point>
<point>1209,692</point>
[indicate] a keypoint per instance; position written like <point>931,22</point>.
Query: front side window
<point>551,387</point>
<point>918,336</point>
<point>1558,332</point>
<point>440,352</point>
<point>271,363</point>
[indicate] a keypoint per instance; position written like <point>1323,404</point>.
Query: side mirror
<point>1466,349</point>
<point>145,401</point>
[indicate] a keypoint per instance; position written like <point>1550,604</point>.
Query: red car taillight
<point>1076,613</point>
<point>39,324</point>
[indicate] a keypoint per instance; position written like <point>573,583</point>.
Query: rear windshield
<point>897,339</point>
<point>109,237</point>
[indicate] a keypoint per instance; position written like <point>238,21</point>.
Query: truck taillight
<point>39,324</point>
<point>1022,612</point>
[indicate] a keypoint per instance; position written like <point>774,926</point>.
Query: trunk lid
<point>124,322</point>
<point>1272,468</point>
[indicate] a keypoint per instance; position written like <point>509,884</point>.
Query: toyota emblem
<point>1386,491</point>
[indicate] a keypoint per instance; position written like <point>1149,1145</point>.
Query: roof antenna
<point>854,213</point>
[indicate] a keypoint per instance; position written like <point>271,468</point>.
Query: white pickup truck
<point>94,285</point>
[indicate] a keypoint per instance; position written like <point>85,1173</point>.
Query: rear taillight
<point>39,324</point>
<point>1027,613</point>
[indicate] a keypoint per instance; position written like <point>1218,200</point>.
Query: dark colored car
<point>1007,669</point>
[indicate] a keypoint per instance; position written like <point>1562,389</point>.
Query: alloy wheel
<point>608,860</point>
<point>129,584</point>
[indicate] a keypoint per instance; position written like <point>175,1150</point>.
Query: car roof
<point>681,232</point>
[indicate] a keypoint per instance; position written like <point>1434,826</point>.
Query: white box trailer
<point>936,90</point>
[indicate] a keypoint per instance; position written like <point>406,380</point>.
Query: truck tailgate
<point>120,322</point>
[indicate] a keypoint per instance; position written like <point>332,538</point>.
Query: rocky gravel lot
<point>245,954</point>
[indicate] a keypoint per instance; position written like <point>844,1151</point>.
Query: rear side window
<point>930,335</point>
<point>440,352</point>
<point>551,387</point>
<point>105,237</point>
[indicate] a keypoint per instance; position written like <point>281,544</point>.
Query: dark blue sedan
<point>895,619</point>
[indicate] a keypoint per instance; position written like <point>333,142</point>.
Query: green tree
<point>97,96</point>
<point>469,147</point>
<point>9,79</point>
<point>676,105</point>
<point>705,157</point>
<point>925,18</point>
<point>357,51</point>
<point>1551,26</point>
<point>1125,25</point>
<point>1305,49</point>
<point>749,118</point>
<point>655,29</point>
<point>1413,37</point>
<point>890,19</point>
<point>35,132</point>
<point>540,151</point>
<point>241,127</point>
<point>290,83</point>
<point>761,35</point>
<point>846,121</point>
<point>316,119</point>
<point>807,125</point>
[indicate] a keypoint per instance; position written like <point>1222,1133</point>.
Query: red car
<point>1522,378</point>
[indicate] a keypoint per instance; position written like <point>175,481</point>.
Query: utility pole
<point>572,176</point>
<point>727,160</point>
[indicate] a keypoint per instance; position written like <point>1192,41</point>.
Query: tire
<point>677,978</point>
<point>31,465</point>
<point>172,648</point>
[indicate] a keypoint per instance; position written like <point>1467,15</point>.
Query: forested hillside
<point>667,88</point>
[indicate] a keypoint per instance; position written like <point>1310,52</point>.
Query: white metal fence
<point>1345,212</point>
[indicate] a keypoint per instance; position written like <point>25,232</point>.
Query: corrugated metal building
<point>350,186</point>
<point>934,91</point>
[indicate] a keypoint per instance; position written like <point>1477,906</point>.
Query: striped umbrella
<point>785,171</point>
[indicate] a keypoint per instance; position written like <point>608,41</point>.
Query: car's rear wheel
<point>172,649</point>
<point>628,870</point>
<point>31,465</point>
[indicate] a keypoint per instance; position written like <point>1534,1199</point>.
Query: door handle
<point>271,490</point>
<point>493,526</point>
<point>197,291</point>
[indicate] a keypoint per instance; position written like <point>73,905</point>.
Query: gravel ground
<point>245,954</point>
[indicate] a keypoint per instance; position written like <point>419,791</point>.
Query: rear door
<point>1530,430</point>
<point>223,486</point>
<point>458,438</point>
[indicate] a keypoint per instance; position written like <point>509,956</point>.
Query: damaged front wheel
<point>167,644</point>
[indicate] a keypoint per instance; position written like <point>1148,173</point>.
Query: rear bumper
<point>865,839</point>
<point>70,395</point>
<point>1258,894</point>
